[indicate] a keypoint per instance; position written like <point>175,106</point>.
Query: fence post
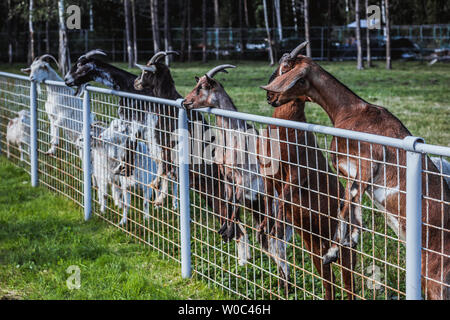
<point>87,155</point>
<point>413,219</point>
<point>33,134</point>
<point>185,213</point>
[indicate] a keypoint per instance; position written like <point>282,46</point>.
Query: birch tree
<point>189,30</point>
<point>360,63</point>
<point>126,6</point>
<point>216,26</point>
<point>31,54</point>
<point>133,16</point>
<point>276,4</point>
<point>167,38</point>
<point>369,57</point>
<point>307,36</point>
<point>269,36</point>
<point>155,25</point>
<point>204,53</point>
<point>64,57</point>
<point>388,36</point>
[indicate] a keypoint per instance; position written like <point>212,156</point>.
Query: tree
<point>31,53</point>
<point>155,25</point>
<point>369,57</point>
<point>126,6</point>
<point>269,37</point>
<point>183,32</point>
<point>189,30</point>
<point>276,4</point>
<point>294,15</point>
<point>204,53</point>
<point>9,32</point>
<point>167,38</point>
<point>307,37</point>
<point>64,57</point>
<point>360,63</point>
<point>388,36</point>
<point>216,26</point>
<point>133,15</point>
<point>329,31</point>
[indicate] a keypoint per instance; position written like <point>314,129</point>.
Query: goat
<point>346,110</point>
<point>233,156</point>
<point>18,132</point>
<point>102,167</point>
<point>115,139</point>
<point>301,166</point>
<point>444,168</point>
<point>63,111</point>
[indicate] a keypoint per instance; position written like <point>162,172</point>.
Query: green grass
<point>42,234</point>
<point>417,94</point>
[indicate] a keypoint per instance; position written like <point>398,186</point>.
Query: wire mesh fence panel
<point>135,170</point>
<point>15,120</point>
<point>262,226</point>
<point>59,128</point>
<point>279,209</point>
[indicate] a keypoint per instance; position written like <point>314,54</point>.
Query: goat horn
<point>145,68</point>
<point>211,73</point>
<point>161,54</point>
<point>93,53</point>
<point>295,52</point>
<point>46,56</point>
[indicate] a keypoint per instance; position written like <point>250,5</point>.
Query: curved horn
<point>211,73</point>
<point>145,68</point>
<point>93,53</point>
<point>159,55</point>
<point>296,51</point>
<point>46,56</point>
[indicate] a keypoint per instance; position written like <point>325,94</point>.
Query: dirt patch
<point>10,295</point>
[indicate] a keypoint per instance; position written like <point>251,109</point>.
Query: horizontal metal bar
<point>14,76</point>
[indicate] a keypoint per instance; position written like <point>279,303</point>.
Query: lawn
<point>42,234</point>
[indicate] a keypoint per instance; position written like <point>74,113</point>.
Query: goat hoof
<point>146,216</point>
<point>123,222</point>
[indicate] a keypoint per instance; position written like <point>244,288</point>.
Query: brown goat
<point>379,171</point>
<point>241,173</point>
<point>301,180</point>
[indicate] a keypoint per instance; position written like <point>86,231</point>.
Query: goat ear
<point>26,70</point>
<point>197,79</point>
<point>285,82</point>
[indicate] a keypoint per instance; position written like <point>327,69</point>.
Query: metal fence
<point>275,204</point>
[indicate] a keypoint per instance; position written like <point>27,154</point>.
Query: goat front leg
<point>243,245</point>
<point>54,135</point>
<point>126,205</point>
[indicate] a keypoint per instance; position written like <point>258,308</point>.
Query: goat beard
<point>80,90</point>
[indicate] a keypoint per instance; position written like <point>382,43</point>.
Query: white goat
<point>18,132</point>
<point>114,139</point>
<point>102,167</point>
<point>63,110</point>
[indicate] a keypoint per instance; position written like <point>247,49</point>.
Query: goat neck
<point>114,78</point>
<point>294,110</point>
<point>338,101</point>
<point>223,101</point>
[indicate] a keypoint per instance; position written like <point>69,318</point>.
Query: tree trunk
<point>133,15</point>
<point>216,26</point>
<point>388,36</point>
<point>126,5</point>
<point>369,57</point>
<point>269,37</point>
<point>360,63</point>
<point>183,32</point>
<point>189,31</point>
<point>246,13</point>
<point>307,36</point>
<point>155,25</point>
<point>31,54</point>
<point>294,15</point>
<point>167,39</point>
<point>241,36</point>
<point>91,16</point>
<point>64,57</point>
<point>47,28</point>
<point>204,55</point>
<point>9,33</point>
<point>329,31</point>
<point>276,4</point>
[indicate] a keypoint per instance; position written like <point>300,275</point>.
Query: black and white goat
<point>64,111</point>
<point>18,132</point>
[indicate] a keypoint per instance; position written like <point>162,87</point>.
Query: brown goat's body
<point>308,197</point>
<point>376,170</point>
